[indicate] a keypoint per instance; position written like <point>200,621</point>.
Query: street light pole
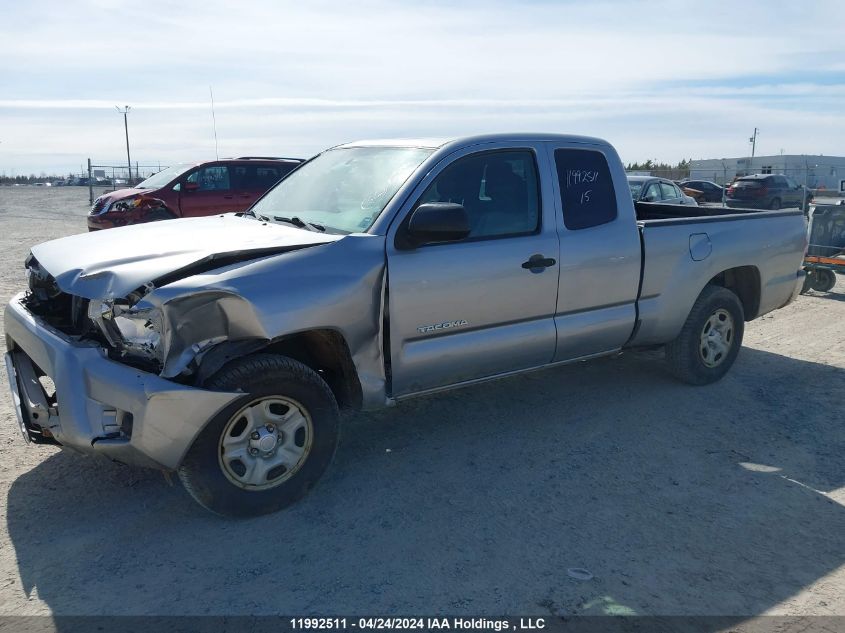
<point>124,112</point>
<point>753,141</point>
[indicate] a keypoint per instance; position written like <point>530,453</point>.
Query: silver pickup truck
<point>223,347</point>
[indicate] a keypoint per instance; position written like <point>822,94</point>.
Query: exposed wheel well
<point>326,352</point>
<point>744,282</point>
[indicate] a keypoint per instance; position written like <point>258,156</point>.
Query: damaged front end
<point>73,366</point>
<point>127,329</point>
<point>169,339</point>
<point>119,337</point>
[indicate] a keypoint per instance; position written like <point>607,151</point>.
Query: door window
<point>652,193</point>
<point>211,178</point>
<point>587,195</point>
<point>256,177</point>
<point>499,191</point>
<point>669,192</point>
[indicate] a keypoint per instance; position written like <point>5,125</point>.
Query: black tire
<point>823,280</point>
<point>775,205</point>
<point>809,278</point>
<point>260,375</point>
<point>684,354</point>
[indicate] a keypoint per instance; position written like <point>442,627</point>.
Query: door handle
<point>538,263</point>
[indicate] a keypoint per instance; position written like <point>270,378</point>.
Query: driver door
<point>466,310</point>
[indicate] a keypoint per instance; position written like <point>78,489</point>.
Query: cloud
<point>296,77</point>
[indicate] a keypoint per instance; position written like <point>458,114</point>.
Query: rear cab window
<point>587,194</point>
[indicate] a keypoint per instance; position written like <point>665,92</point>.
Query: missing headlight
<point>133,333</point>
<point>140,333</point>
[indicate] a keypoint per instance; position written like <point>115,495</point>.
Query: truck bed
<point>684,247</point>
<point>653,213</point>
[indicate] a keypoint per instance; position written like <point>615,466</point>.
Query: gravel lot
<point>726,499</point>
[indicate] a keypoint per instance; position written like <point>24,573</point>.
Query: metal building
<point>823,173</point>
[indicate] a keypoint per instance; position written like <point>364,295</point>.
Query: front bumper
<point>100,222</point>
<point>101,406</point>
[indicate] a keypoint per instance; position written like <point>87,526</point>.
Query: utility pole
<point>124,112</point>
<point>752,140</point>
<point>214,123</point>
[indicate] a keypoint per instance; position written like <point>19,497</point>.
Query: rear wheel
<point>775,204</point>
<point>823,279</point>
<point>710,340</point>
<point>267,449</point>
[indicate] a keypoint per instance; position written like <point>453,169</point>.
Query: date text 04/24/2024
<point>398,623</point>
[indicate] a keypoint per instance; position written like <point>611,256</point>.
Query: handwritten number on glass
<point>576,177</point>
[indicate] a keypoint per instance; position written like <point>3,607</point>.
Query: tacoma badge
<point>424,329</point>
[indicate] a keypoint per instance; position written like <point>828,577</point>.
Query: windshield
<point>343,189</point>
<point>164,176</point>
<point>636,188</point>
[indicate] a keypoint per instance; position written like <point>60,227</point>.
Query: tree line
<point>666,170</point>
<point>28,180</point>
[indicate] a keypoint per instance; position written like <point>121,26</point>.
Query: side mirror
<point>438,222</point>
<point>190,186</point>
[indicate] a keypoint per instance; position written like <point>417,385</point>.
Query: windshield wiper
<point>300,223</point>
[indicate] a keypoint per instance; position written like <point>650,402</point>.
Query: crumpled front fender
<point>195,323</point>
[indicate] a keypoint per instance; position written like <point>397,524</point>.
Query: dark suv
<point>766,191</point>
<point>189,190</point>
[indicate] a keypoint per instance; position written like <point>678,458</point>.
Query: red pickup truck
<point>191,190</point>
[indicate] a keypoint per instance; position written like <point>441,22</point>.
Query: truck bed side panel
<point>773,243</point>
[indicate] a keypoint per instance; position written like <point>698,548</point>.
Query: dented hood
<point>111,264</point>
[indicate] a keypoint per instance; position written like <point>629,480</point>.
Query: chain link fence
<point>106,176</point>
<point>822,175</point>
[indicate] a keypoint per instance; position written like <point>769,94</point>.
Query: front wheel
<point>267,449</point>
<point>775,206</point>
<point>710,340</point>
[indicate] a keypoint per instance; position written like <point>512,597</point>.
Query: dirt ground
<point>726,499</point>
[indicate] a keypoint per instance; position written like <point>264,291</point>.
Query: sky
<point>663,80</point>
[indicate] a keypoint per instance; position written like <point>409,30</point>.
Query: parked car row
<point>756,191</point>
